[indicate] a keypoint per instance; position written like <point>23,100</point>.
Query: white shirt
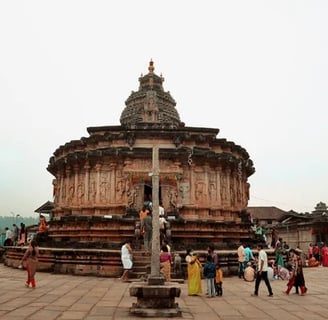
<point>161,211</point>
<point>9,234</point>
<point>263,257</point>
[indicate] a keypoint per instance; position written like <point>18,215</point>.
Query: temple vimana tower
<point>102,181</point>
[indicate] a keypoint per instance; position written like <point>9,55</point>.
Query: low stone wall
<point>104,262</point>
<point>96,262</point>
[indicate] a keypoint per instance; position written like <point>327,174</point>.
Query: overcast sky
<point>257,70</point>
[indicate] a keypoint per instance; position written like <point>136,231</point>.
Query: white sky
<point>257,70</point>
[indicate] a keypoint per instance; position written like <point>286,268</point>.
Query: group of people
<point>317,254</point>
<point>291,270</point>
<point>146,225</point>
<point>16,236</point>
<point>165,259</point>
<point>211,271</point>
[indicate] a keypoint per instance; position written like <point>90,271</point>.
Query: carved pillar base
<point>155,300</point>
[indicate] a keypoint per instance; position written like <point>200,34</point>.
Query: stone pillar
<point>67,180</point>
<point>76,184</point>
<point>155,277</point>
<point>98,167</point>
<point>86,182</point>
<point>218,185</point>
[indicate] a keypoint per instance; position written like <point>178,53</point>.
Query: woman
<point>126,258</point>
<point>194,269</point>
<point>31,259</point>
<point>297,277</point>
<point>165,260</point>
<point>22,235</point>
<point>279,256</point>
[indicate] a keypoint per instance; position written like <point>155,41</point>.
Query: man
<point>241,260</point>
<point>147,227</point>
<point>9,236</point>
<point>262,272</point>
<point>210,252</point>
<point>16,234</point>
<point>248,255</point>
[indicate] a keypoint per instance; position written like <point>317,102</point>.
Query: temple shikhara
<point>103,180</point>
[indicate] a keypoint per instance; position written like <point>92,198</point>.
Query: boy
<point>218,280</point>
<point>209,274</point>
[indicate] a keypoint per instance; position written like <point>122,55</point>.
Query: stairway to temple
<point>142,267</point>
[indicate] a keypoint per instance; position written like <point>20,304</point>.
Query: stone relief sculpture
<point>71,192</point>
<point>132,197</point>
<point>224,188</point>
<point>80,192</point>
<point>92,188</point>
<point>212,192</point>
<point>173,196</point>
<point>184,191</point>
<point>199,191</point>
<point>120,190</point>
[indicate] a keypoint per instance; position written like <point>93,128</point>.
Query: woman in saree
<point>31,259</point>
<point>165,259</point>
<point>194,269</point>
<point>297,277</point>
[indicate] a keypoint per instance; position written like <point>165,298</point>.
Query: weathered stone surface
<point>155,300</point>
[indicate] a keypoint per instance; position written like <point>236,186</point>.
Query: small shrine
<point>102,181</point>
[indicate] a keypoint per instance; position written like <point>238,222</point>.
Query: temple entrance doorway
<point>148,191</point>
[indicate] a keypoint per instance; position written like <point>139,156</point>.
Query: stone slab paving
<point>67,297</point>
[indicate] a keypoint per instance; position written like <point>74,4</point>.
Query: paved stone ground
<point>91,298</point>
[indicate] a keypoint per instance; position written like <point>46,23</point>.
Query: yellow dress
<point>194,276</point>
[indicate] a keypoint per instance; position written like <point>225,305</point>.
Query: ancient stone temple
<point>102,181</point>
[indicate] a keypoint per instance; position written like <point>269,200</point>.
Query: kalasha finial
<point>151,67</point>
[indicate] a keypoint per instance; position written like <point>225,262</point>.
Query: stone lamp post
<point>155,298</point>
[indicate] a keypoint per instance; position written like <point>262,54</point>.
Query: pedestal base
<point>155,300</point>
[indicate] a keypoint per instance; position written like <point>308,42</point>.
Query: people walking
<point>262,271</point>
<point>147,227</point>
<point>31,259</point>
<point>165,259</point>
<point>241,260</point>
<point>297,277</point>
<point>126,258</point>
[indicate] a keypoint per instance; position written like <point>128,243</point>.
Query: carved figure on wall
<point>132,196</point>
<point>212,192</point>
<point>184,190</point>
<point>64,190</point>
<point>71,192</point>
<point>80,192</point>
<point>120,190</point>
<point>172,194</point>
<point>104,188</point>
<point>232,193</point>
<point>224,188</point>
<point>92,190</point>
<point>199,191</point>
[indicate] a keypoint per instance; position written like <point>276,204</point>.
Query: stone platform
<point>64,297</point>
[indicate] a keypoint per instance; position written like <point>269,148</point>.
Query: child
<point>218,280</point>
<point>249,273</point>
<point>209,274</point>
